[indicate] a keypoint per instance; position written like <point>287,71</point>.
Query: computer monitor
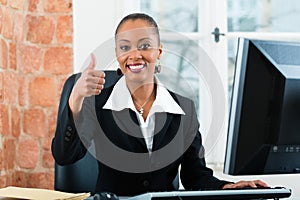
<point>264,120</point>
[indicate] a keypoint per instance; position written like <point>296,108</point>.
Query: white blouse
<point>120,99</point>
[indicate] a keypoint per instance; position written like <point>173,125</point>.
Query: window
<point>262,19</point>
<point>186,39</point>
<point>195,20</point>
<point>173,14</point>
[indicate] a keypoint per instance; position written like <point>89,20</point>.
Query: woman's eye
<point>125,48</point>
<point>144,46</point>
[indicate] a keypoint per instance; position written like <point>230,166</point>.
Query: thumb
<point>92,64</point>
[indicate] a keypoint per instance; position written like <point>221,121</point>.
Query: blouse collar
<point>121,99</point>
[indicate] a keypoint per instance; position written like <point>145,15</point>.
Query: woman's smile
<point>137,67</point>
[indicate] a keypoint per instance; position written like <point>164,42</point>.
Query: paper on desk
<point>38,194</point>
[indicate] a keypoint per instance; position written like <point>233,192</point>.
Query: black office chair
<point>82,175</point>
<point>78,177</point>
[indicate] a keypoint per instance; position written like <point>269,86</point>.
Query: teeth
<point>136,66</point>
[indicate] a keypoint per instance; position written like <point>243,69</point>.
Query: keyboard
<point>233,194</point>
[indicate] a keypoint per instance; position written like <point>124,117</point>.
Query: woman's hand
<point>246,184</point>
<point>91,82</point>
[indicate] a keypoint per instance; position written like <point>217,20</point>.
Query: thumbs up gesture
<point>91,82</point>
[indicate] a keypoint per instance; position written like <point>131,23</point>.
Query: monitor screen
<point>264,119</point>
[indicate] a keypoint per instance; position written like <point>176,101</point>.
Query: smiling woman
<point>141,130</point>
<point>137,49</point>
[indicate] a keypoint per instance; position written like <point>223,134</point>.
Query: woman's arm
<point>71,135</point>
<point>66,145</point>
<point>91,82</point>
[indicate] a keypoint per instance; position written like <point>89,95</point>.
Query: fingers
<point>97,84</point>
<point>94,83</point>
<point>92,64</point>
<point>260,183</point>
<point>246,184</point>
<point>94,73</point>
<point>91,81</point>
<point>91,71</point>
<point>243,184</point>
<point>255,184</point>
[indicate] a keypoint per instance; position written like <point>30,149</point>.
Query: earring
<point>119,72</point>
<point>157,68</point>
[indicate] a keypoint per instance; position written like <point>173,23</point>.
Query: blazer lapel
<point>124,123</point>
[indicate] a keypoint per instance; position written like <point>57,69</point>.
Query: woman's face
<point>137,49</point>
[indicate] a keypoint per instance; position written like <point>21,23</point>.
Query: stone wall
<point>36,56</point>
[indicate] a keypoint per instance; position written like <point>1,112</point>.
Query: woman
<point>142,131</point>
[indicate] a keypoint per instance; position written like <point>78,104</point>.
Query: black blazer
<point>125,166</point>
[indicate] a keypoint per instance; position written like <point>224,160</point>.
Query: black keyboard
<point>233,194</point>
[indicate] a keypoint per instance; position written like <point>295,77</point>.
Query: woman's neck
<point>141,91</point>
<point>143,96</point>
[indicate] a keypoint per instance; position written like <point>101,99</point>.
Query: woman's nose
<point>135,54</point>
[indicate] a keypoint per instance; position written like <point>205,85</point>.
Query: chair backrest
<point>77,177</point>
<point>82,175</point>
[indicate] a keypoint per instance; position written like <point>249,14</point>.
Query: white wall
<point>94,24</point>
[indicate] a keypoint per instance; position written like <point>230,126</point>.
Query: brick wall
<point>36,56</point>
